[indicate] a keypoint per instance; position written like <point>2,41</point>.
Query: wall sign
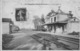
<point>20,14</point>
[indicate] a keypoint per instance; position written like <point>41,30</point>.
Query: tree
<point>42,19</point>
<point>37,22</point>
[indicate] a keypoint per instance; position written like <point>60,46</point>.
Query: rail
<point>43,40</point>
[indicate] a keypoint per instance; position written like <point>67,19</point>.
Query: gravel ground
<point>22,40</point>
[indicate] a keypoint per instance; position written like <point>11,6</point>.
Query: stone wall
<point>73,26</point>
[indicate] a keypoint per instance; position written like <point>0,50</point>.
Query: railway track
<point>68,39</point>
<point>47,39</point>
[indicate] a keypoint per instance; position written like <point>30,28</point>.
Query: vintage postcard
<point>40,25</point>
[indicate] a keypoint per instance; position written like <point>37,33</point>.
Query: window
<point>54,19</point>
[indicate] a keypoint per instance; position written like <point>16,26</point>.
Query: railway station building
<point>62,22</point>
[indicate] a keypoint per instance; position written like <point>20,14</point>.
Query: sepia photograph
<point>40,25</point>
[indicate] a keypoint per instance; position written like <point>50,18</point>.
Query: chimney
<point>70,13</point>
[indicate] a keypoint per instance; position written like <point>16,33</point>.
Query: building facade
<point>62,22</point>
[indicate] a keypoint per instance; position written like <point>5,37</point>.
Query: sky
<point>66,5</point>
<point>9,6</point>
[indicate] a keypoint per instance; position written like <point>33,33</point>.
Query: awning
<point>55,23</point>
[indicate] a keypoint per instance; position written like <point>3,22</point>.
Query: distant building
<point>8,26</point>
<point>62,22</point>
